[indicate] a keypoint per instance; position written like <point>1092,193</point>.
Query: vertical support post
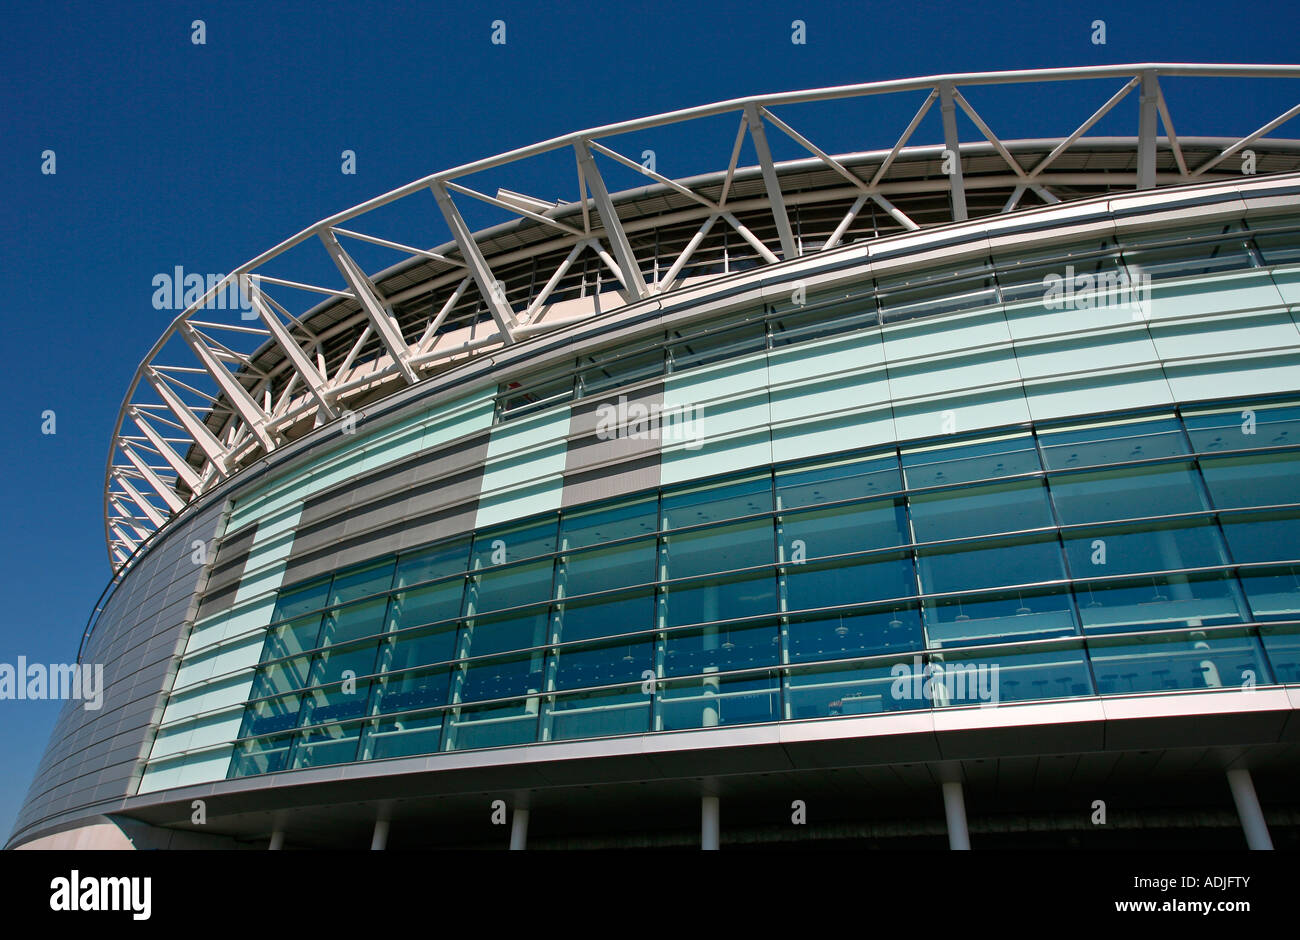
<point>519,830</point>
<point>954,809</point>
<point>758,135</point>
<point>277,840</point>
<point>1148,112</point>
<point>379,839</point>
<point>709,823</point>
<point>950,142</point>
<point>1252,817</point>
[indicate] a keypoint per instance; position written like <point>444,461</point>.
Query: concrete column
<point>954,809</point>
<point>709,823</point>
<point>519,831</point>
<point>277,840</point>
<point>379,839</point>
<point>1252,817</point>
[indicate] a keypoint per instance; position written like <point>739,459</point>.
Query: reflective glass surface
<point>1120,555</point>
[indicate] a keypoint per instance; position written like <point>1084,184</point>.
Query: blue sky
<point>172,154</point>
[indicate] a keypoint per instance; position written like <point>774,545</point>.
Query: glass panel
<point>916,294</point>
<point>832,482</point>
<point>369,580</point>
<point>609,522</point>
<point>1112,443</point>
<point>324,746</point>
<point>446,558</point>
<point>501,546</point>
<point>1187,662</point>
<point>281,677</point>
<point>1273,593</point>
<point>1259,480</point>
<point>297,636</point>
<point>534,394</point>
<point>834,691</point>
<point>1009,674</point>
<point>721,548</point>
<point>612,369</point>
<point>1158,603</point>
<point>509,587</point>
<point>1130,549</point>
<point>302,599</point>
<point>1194,251</point>
<point>608,616</point>
<point>263,756</point>
<point>402,737</point>
<point>714,701</point>
<point>270,715</point>
<point>1282,644</point>
<point>980,510</point>
<point>610,663</point>
<point>491,725</point>
<point>721,649</point>
<point>419,648</point>
<point>1264,536</point>
<point>715,599</point>
<point>331,664</point>
<point>1021,274</point>
<point>1131,493</point>
<point>1026,614</point>
<point>407,691</point>
<point>828,584</point>
<point>813,322</point>
<point>978,460</point>
<point>1280,248</point>
<point>708,345</point>
<point>355,621</point>
<point>335,703</point>
<point>843,636</point>
<point>843,530</point>
<point>501,634</point>
<point>990,563</point>
<point>716,502</point>
<point>595,714</point>
<point>603,569</point>
<point>1244,428</point>
<point>430,604</point>
<point>501,678</point>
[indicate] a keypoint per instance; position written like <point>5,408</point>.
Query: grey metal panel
<point>598,466</point>
<point>423,498</point>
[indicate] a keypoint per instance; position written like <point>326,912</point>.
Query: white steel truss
<point>185,427</point>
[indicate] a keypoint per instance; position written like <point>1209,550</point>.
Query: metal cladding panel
<point>227,571</point>
<point>96,753</point>
<point>420,499</point>
<point>614,445</point>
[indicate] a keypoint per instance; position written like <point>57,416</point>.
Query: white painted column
<point>1252,817</point>
<point>709,823</point>
<point>519,831</point>
<point>954,809</point>
<point>379,839</point>
<point>277,840</point>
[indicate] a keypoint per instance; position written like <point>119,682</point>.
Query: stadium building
<point>939,496</point>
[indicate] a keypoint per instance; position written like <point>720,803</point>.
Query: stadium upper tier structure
<point>939,495</point>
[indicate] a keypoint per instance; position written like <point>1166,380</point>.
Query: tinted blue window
<point>837,480</point>
<point>1114,443</point>
<point>983,460</point>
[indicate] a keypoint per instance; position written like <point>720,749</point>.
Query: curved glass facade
<point>1125,553</point>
